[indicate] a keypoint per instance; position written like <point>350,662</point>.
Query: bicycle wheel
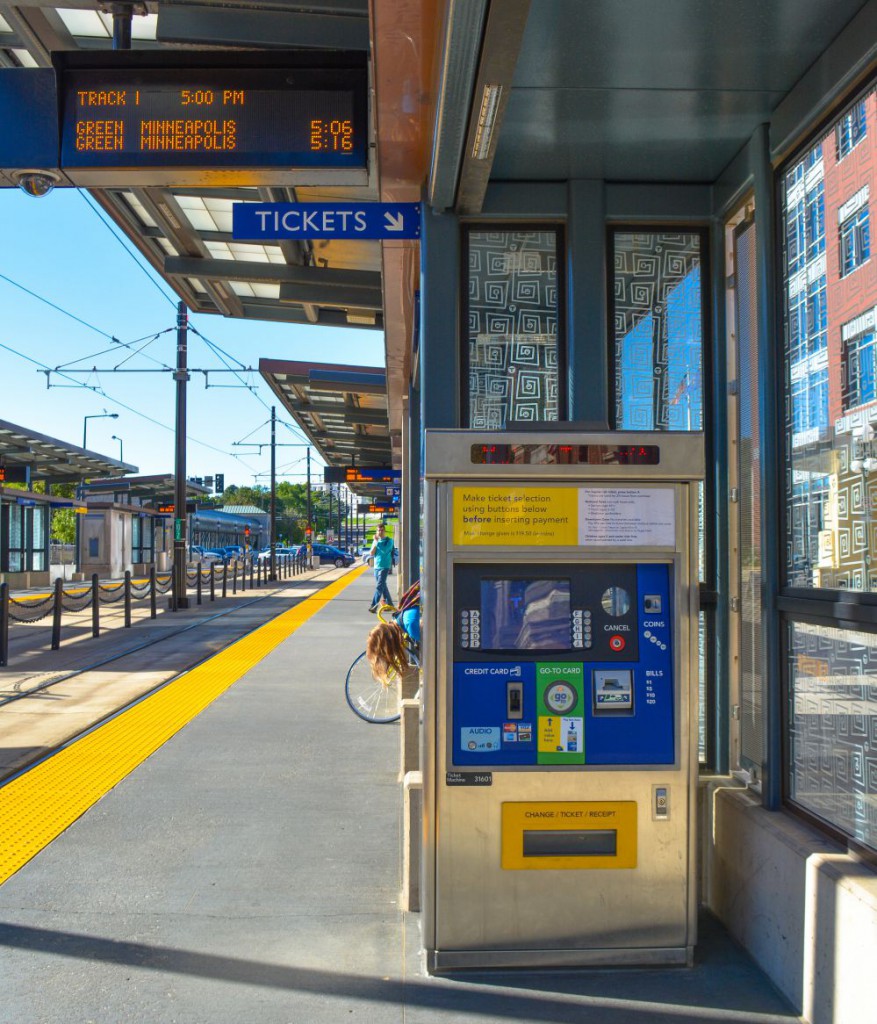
<point>373,700</point>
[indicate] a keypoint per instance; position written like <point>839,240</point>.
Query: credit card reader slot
<point>514,701</point>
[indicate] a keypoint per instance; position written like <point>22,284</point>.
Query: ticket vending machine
<point>560,745</point>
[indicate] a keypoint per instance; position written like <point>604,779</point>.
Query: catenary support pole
<point>181,376</point>
<point>272,531</point>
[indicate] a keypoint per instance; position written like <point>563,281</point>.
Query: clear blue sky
<point>59,248</point>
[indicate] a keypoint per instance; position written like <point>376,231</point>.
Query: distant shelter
<point>29,459</point>
<point>128,524</point>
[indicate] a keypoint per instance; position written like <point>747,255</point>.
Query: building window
<point>855,242</point>
<point>658,317</point>
<point>859,378</point>
<point>815,212</point>
<point>805,215</point>
<point>513,349</point>
<point>810,495</point>
<point>851,129</point>
<point>810,402</point>
<point>796,246</point>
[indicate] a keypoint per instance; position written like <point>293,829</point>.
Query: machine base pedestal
<point>446,960</point>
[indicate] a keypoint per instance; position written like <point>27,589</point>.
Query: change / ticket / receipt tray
<point>560,659</point>
<point>568,836</point>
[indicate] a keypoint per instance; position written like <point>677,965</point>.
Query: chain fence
<point>217,579</point>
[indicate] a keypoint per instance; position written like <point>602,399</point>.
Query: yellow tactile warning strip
<point>37,806</point>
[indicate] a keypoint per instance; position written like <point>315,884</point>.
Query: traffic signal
<point>219,483</point>
<point>246,531</point>
<point>308,532</point>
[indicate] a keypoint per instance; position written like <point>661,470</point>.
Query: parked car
<point>265,555</point>
<point>208,556</point>
<point>235,551</point>
<point>326,554</point>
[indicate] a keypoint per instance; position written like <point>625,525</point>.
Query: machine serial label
<point>469,778</point>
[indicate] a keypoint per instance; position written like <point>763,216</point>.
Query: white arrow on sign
<point>395,222</point>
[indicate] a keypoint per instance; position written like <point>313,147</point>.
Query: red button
<point>616,642</point>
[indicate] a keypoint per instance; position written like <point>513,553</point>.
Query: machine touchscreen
<point>525,615</point>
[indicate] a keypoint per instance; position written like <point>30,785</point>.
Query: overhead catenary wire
<point>216,348</point>
<point>55,306</point>
<point>122,405</point>
<point>221,354</point>
<point>148,339</point>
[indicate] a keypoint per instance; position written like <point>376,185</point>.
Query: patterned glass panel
<point>658,331</point>
<point>512,327</point>
<point>833,727</point>
<point>830,403</point>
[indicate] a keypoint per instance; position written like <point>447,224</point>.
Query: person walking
<point>382,552</point>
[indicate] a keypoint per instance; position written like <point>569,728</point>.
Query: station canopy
<point>51,459</point>
<point>157,487</point>
<point>341,409</point>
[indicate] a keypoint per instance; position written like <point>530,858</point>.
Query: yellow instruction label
<point>549,735</point>
<point>516,515</point>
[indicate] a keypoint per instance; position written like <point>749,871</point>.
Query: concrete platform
<point>249,871</point>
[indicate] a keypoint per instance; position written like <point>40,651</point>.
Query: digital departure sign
<point>300,116</point>
<point>371,475</point>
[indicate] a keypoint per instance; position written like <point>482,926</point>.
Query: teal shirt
<point>383,552</point>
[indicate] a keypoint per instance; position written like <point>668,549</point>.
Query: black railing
<point>80,596</point>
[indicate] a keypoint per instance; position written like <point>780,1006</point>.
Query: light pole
<point>96,416</point>
<point>121,448</point>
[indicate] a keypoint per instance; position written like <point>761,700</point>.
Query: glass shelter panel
<point>38,538</point>
<point>512,348</point>
<point>830,408</point>
<point>142,539</point>
<point>832,713</point>
<point>16,538</point>
<point>658,330</point>
<point>747,456</point>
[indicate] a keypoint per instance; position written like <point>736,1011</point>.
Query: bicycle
<point>377,700</point>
